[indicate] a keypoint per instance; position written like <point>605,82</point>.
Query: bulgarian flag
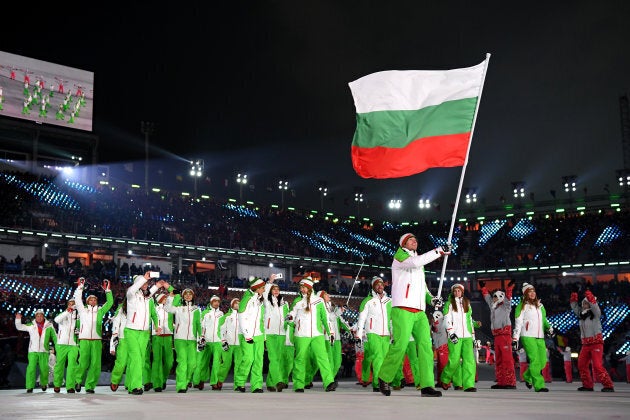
<point>410,121</point>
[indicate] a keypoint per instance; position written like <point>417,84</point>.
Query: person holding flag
<point>410,297</point>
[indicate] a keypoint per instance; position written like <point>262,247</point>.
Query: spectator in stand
<point>591,353</point>
<point>41,334</point>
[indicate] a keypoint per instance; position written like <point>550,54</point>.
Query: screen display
<point>45,92</point>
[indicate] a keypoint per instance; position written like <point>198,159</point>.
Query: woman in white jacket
<point>311,323</point>
<point>530,325</point>
<point>67,348</point>
<point>187,332</point>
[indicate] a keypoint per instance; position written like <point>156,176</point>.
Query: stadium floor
<point>349,401</point>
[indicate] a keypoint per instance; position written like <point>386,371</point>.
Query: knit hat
<point>376,279</point>
<point>405,237</point>
<point>160,297</point>
<point>255,283</point>
<point>39,311</point>
<point>188,291</point>
<point>90,297</point>
<point>234,300</point>
<point>456,285</point>
<point>215,297</point>
<point>308,282</point>
<point>527,286</point>
<point>320,293</point>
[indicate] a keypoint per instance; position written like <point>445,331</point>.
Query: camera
<point>279,275</point>
<point>155,274</point>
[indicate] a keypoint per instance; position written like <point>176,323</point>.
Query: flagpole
<point>461,178</point>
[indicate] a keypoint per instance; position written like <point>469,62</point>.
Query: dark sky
<point>262,88</point>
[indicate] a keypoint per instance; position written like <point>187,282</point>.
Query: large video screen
<point>45,92</point>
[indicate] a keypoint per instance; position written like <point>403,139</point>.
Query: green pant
<point>66,354</point>
<point>460,354</point>
<point>406,324</point>
<point>231,354</point>
<point>412,354</point>
<point>251,363</point>
<point>208,362</point>
<point>306,347</point>
<point>377,347</point>
<point>186,354</point>
<point>35,359</point>
<point>162,346</point>
<point>137,342</point>
<point>277,359</point>
<point>537,356</point>
<point>89,362</point>
<point>121,362</point>
<point>146,367</point>
<point>334,355</point>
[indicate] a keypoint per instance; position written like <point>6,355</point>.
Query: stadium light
<point>358,197</point>
<point>283,185</point>
<point>196,171</point>
<point>322,187</point>
<point>518,189</point>
<point>241,179</point>
<point>395,204</point>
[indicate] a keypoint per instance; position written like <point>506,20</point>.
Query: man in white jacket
<point>375,320</point>
<point>410,296</point>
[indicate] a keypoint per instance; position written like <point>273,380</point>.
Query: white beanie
<point>159,298</point>
<point>308,282</point>
<point>376,279</point>
<point>215,297</point>
<point>527,286</point>
<point>461,286</point>
<point>404,238</point>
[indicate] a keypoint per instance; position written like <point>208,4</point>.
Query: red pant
<point>593,353</point>
<point>442,359</point>
<point>546,372</point>
<point>504,368</point>
<point>568,371</point>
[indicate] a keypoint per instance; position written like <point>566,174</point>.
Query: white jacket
<point>530,323</point>
<point>457,322</point>
<point>409,288</point>
<point>309,323</point>
<point>274,313</point>
<point>163,323</point>
<point>67,323</point>
<point>210,325</point>
<point>373,318</point>
<point>37,343</point>
<point>138,315</point>
<point>230,328</point>
<point>184,319</point>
